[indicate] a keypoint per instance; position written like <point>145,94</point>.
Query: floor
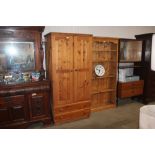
<point>125,116</point>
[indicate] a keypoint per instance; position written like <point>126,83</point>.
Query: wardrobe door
<point>62,69</point>
<point>82,67</point>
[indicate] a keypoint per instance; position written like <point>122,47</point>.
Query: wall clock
<point>99,70</point>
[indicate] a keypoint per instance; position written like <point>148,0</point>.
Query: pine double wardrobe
<point>82,70</point>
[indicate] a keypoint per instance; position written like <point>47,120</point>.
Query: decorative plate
<point>99,70</point>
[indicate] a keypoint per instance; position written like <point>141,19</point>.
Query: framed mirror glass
<point>17,56</point>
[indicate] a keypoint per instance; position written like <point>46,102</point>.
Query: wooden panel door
<point>82,68</point>
<point>4,111</point>
<point>18,108</point>
<point>62,69</point>
<point>13,109</point>
<point>39,105</point>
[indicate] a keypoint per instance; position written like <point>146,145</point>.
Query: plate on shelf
<point>99,70</point>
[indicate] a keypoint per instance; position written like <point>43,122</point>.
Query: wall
<point>106,31</point>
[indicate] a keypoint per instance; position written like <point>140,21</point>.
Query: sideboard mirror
<point>20,53</point>
<point>17,56</point>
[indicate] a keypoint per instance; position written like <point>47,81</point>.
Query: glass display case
<point>130,50</point>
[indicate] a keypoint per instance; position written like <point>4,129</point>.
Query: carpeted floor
<point>125,116</point>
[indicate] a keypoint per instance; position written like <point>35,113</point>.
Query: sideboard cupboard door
<point>18,108</point>
<point>62,69</point>
<point>4,111</point>
<point>38,105</point>
<point>82,68</point>
<point>13,109</point>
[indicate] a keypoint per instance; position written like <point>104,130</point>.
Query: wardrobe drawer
<point>73,107</point>
<point>74,115</point>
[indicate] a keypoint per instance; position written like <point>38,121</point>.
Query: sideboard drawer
<point>130,89</point>
<point>130,92</point>
<point>126,93</point>
<point>130,85</point>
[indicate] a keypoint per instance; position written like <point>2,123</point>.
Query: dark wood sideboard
<point>24,104</point>
<point>23,98</point>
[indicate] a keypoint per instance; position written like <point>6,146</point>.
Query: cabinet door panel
<point>4,115</point>
<point>62,48</point>
<point>81,86</point>
<point>13,108</point>
<point>82,52</point>
<point>62,55</point>
<point>18,108</point>
<point>17,113</point>
<point>38,104</point>
<point>82,67</point>
<point>4,111</point>
<point>64,87</point>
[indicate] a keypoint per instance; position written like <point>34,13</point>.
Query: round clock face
<point>99,70</point>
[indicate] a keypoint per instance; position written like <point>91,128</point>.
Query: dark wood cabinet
<point>147,74</point>
<point>130,80</point>
<point>24,97</point>
<point>24,104</point>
